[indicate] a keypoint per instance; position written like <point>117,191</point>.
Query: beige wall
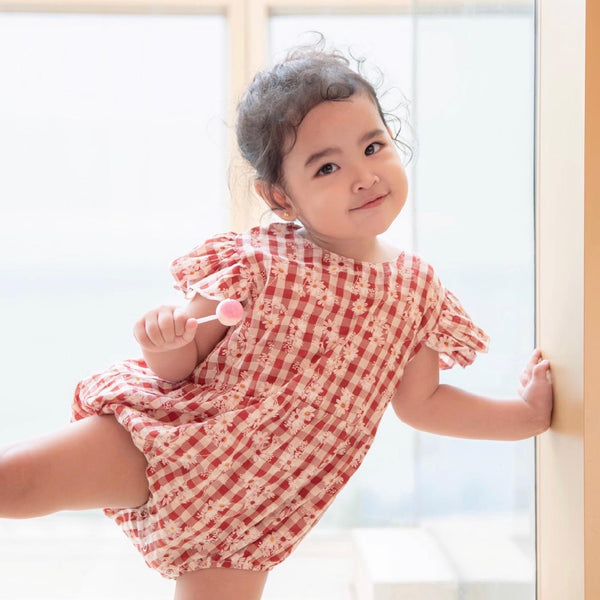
<point>569,297</point>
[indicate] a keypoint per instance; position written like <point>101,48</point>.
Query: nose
<point>364,179</point>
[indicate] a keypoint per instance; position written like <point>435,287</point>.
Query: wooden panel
<point>394,6</point>
<point>117,6</point>
<point>560,222</point>
<point>303,6</point>
<point>592,303</point>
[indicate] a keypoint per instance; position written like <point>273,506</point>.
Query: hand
<point>164,328</point>
<point>536,389</point>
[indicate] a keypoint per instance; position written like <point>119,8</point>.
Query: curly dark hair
<point>278,99</point>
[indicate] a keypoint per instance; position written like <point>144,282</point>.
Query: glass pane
<point>470,214</point>
<point>113,154</point>
<point>107,138</point>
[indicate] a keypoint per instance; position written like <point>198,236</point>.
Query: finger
<point>166,324</point>
<point>547,370</point>
<point>139,333</point>
<point>534,359</point>
<point>180,320</point>
<point>153,329</point>
<point>190,330</point>
<point>527,372</point>
<point>542,370</point>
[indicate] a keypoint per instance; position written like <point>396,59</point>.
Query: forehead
<point>336,122</point>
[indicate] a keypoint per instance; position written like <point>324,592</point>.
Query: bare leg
<point>221,584</point>
<point>91,463</point>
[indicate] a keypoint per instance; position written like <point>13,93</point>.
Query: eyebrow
<point>317,156</point>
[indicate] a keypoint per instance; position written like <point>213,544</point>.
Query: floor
<point>83,556</point>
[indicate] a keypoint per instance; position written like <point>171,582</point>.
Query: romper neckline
<point>329,257</point>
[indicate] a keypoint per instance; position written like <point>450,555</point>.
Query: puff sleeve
<point>216,269</point>
<point>448,329</point>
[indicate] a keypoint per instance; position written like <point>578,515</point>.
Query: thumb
<point>190,330</point>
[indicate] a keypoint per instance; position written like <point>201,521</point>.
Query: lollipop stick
<point>206,319</point>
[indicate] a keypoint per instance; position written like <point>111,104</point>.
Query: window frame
<point>568,458</point>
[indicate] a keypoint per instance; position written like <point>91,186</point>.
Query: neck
<point>371,250</point>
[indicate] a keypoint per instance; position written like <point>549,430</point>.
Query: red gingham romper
<point>245,455</point>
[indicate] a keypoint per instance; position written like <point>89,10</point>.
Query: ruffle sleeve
<point>216,269</point>
<point>449,330</point>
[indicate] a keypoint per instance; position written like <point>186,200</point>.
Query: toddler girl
<point>220,451</point>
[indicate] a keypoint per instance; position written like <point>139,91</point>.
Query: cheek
<point>400,178</point>
<point>310,193</point>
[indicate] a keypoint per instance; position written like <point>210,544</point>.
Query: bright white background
<point>113,163</point>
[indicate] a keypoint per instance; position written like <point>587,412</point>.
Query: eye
<point>327,169</point>
<point>373,147</point>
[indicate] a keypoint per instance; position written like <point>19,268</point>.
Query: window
<point>121,111</point>
<point>114,158</point>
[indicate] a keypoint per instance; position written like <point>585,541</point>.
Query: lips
<point>371,203</point>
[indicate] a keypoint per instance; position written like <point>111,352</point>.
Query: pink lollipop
<point>229,312</point>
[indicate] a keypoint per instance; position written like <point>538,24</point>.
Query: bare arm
<point>423,403</point>
<point>173,343</point>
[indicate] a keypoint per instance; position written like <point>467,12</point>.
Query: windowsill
<point>448,560</point>
<point>83,556</point>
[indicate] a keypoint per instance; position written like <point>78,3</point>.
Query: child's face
<point>343,177</point>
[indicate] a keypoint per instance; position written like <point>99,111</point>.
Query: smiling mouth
<point>371,203</point>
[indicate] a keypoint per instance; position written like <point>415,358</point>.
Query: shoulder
<point>234,246</point>
<point>416,267</point>
<point>270,239</point>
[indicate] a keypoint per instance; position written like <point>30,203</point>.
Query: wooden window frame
<point>568,311</point>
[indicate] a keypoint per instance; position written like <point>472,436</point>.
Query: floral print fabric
<point>246,454</point>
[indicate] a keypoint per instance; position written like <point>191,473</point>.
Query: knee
<point>17,481</point>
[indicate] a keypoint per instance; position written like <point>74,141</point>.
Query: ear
<point>276,199</point>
